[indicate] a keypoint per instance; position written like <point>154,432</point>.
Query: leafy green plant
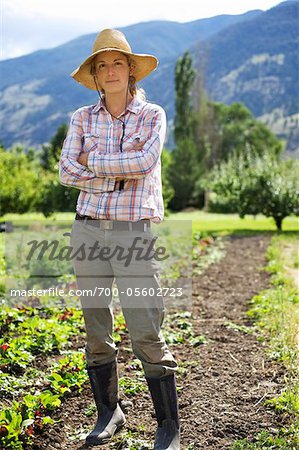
<point>38,335</point>
<point>287,402</point>
<point>120,327</point>
<point>179,330</point>
<point>207,250</point>
<point>240,328</point>
<point>12,386</point>
<point>20,422</point>
<point>131,386</point>
<point>69,374</point>
<point>23,420</point>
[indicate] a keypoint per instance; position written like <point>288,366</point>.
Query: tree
<point>182,167</point>
<point>221,130</point>
<point>168,190</point>
<point>20,175</point>
<point>184,79</point>
<point>251,184</point>
<point>51,152</point>
<point>56,197</point>
<point>182,173</point>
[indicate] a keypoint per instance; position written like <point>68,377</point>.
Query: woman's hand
<point>136,146</point>
<point>83,158</point>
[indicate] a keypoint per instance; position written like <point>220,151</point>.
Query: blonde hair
<point>133,87</point>
<point>136,90</point>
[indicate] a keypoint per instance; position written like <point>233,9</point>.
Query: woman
<point>112,154</point>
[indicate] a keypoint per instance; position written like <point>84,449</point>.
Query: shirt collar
<point>134,106</point>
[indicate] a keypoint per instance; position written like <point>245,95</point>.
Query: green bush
<point>55,197</point>
<point>21,176</point>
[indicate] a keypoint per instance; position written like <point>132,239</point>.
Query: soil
<point>222,395</point>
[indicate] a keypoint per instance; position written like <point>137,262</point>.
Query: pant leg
<point>144,313</point>
<point>144,323</point>
<point>95,278</point>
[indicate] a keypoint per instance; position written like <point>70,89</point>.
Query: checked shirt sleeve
<point>137,164</point>
<point>71,172</point>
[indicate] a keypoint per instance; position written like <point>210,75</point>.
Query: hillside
<point>249,58</point>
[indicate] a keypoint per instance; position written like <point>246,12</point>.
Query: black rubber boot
<point>164,395</point>
<point>104,384</point>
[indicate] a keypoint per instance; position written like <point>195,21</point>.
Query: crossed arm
<point>135,146</point>
<point>97,172</point>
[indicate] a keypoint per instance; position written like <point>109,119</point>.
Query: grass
<point>268,441</point>
<point>276,313</point>
<point>201,221</point>
<point>232,223</point>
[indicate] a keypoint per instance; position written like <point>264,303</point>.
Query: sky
<point>29,25</point>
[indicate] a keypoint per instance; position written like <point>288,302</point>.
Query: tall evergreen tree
<point>183,169</point>
<point>184,79</point>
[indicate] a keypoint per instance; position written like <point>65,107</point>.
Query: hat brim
<point>144,65</point>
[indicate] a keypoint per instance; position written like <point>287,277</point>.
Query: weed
<point>131,387</point>
<point>240,328</point>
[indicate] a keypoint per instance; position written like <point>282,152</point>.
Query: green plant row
<point>25,419</point>
<point>16,373</point>
<point>33,335</point>
<point>207,249</point>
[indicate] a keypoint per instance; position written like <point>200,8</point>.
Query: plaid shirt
<point>93,130</point>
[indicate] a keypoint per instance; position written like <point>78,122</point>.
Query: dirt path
<point>221,396</point>
<point>233,375</point>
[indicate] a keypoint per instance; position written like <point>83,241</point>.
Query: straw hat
<point>108,40</point>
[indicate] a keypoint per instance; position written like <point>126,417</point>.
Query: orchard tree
<point>250,184</point>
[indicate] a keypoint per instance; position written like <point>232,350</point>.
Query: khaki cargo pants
<point>101,257</point>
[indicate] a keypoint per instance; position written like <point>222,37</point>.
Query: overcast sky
<point>29,25</point>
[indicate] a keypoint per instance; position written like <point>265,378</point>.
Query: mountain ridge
<point>38,94</point>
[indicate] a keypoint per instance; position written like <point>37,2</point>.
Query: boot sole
<point>96,441</point>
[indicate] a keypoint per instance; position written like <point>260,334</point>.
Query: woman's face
<point>112,71</point>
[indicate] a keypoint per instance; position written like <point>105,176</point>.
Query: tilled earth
<point>222,393</point>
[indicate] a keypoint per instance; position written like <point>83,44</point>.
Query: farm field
<point>201,221</point>
<point>229,367</point>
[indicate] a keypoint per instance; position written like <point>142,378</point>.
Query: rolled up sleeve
<point>133,164</point>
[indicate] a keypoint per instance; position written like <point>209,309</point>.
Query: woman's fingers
<point>136,145</point>
<point>139,145</point>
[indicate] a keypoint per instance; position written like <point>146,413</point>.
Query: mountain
<point>249,58</point>
<point>257,63</point>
